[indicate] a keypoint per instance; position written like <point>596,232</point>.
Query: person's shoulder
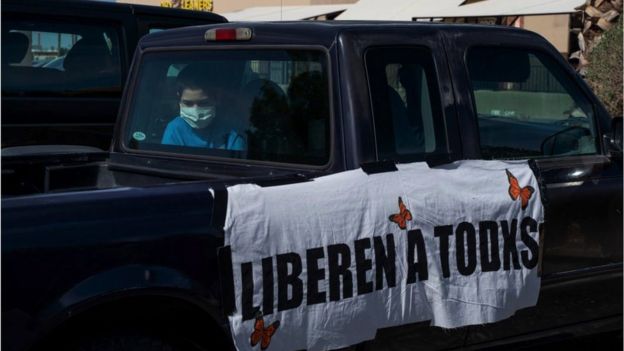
<point>174,131</point>
<point>235,141</point>
<point>234,133</point>
<point>178,124</point>
<point>175,126</point>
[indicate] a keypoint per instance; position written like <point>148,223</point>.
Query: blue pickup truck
<point>119,250</point>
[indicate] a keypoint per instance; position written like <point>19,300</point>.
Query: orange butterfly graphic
<point>403,216</point>
<point>261,334</point>
<point>516,191</point>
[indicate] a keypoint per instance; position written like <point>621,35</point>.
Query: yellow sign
<point>197,5</point>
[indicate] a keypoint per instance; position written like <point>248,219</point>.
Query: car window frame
<point>444,147</point>
<point>132,85</point>
<point>116,23</point>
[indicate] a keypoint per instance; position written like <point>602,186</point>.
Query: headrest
<point>264,102</point>
<point>14,47</point>
<point>88,54</point>
<point>262,91</point>
<point>262,88</point>
<point>308,94</point>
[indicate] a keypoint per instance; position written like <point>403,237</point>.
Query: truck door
<point>397,101</point>
<point>407,102</point>
<point>524,102</point>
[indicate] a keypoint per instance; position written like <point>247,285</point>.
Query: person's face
<point>196,97</point>
<point>197,108</point>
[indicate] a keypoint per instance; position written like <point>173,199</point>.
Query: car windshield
<point>267,105</point>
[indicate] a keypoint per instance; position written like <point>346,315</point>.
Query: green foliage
<point>604,72</point>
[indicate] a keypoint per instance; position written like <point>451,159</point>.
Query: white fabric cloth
<point>349,206</point>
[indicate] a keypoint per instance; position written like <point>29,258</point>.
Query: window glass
<point>406,104</point>
<point>527,106</point>
<point>269,105</point>
<point>48,58</point>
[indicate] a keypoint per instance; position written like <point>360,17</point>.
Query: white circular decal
<point>140,136</point>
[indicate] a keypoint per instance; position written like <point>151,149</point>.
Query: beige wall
<point>235,5</point>
<point>555,28</point>
<point>221,6</point>
<point>142,2</point>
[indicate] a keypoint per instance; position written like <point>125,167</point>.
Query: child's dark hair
<point>193,77</point>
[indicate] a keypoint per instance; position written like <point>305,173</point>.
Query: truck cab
<point>284,102</point>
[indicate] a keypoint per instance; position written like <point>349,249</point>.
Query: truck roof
<point>115,7</point>
<point>308,32</point>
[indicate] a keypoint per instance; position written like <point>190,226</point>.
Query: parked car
<point>120,248</point>
<point>64,64</point>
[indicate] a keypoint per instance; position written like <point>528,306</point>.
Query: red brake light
<point>227,34</point>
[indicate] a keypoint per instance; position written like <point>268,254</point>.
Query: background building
<point>553,19</point>
<point>226,6</point>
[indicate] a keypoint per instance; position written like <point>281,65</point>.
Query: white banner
<point>324,264</point>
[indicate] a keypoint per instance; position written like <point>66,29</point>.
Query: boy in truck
<point>201,123</point>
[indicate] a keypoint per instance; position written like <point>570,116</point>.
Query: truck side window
<point>45,58</point>
<point>406,103</point>
<point>527,106</point>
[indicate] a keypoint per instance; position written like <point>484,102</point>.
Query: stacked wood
<point>596,17</point>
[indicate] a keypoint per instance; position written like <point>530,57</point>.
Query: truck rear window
<point>267,105</point>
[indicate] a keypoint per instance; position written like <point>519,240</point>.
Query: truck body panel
<point>147,220</point>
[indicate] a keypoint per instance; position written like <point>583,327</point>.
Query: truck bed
<point>38,174</point>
